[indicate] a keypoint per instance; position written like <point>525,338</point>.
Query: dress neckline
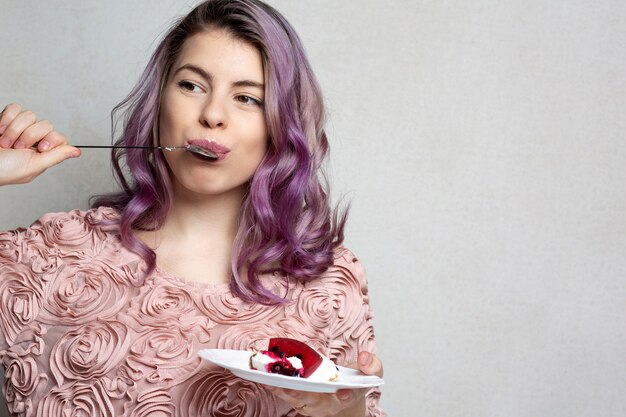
<point>221,287</point>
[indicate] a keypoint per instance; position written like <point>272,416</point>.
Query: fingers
<point>342,402</point>
<point>34,133</point>
<point>370,364</point>
<point>51,140</point>
<point>20,129</point>
<point>306,403</point>
<point>15,124</point>
<point>352,402</point>
<point>9,113</point>
<point>345,395</point>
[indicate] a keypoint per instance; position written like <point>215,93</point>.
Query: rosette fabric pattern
<point>77,337</point>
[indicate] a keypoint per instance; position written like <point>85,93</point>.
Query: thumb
<point>370,364</point>
<point>57,155</point>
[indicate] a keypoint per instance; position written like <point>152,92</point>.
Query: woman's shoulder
<point>99,216</point>
<point>72,230</point>
<point>344,257</point>
<point>346,270</point>
<point>342,254</point>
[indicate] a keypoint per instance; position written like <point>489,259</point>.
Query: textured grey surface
<point>482,145</point>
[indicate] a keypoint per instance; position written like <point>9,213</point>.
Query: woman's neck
<point>203,219</point>
<point>196,238</point>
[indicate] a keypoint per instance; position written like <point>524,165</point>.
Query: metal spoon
<point>191,148</point>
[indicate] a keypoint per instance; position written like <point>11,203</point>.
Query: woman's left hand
<point>343,403</point>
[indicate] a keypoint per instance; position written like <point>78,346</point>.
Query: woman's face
<point>213,98</point>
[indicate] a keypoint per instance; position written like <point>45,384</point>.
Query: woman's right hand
<point>19,131</point>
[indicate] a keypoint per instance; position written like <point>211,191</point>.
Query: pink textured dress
<point>77,338</point>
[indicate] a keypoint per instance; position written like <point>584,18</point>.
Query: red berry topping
<point>311,360</point>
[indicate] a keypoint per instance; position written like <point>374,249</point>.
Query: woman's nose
<point>214,114</point>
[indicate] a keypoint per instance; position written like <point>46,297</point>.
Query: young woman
<point>104,311</point>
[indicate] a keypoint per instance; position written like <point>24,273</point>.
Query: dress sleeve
<point>352,328</point>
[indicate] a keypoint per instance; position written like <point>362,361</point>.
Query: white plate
<point>238,362</point>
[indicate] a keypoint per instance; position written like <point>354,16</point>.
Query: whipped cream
<point>267,361</point>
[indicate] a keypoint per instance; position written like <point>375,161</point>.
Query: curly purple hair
<point>286,223</point>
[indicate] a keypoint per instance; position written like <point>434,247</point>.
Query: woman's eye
<point>249,101</point>
<point>189,86</point>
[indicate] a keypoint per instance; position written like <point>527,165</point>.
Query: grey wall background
<point>481,144</point>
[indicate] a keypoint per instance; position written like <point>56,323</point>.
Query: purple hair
<point>285,223</point>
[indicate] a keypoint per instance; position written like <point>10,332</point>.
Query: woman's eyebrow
<point>209,77</point>
<point>249,83</point>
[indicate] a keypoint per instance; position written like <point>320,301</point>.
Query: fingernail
<point>5,143</point>
<point>75,154</point>
<point>44,145</point>
<point>19,145</point>
<point>343,395</point>
<point>365,358</point>
<point>3,128</point>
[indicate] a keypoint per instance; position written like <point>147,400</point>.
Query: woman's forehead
<point>219,53</point>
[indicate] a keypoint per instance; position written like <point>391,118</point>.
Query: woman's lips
<point>220,150</point>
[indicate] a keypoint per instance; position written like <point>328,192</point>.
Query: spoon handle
<point>191,148</point>
<point>123,147</point>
